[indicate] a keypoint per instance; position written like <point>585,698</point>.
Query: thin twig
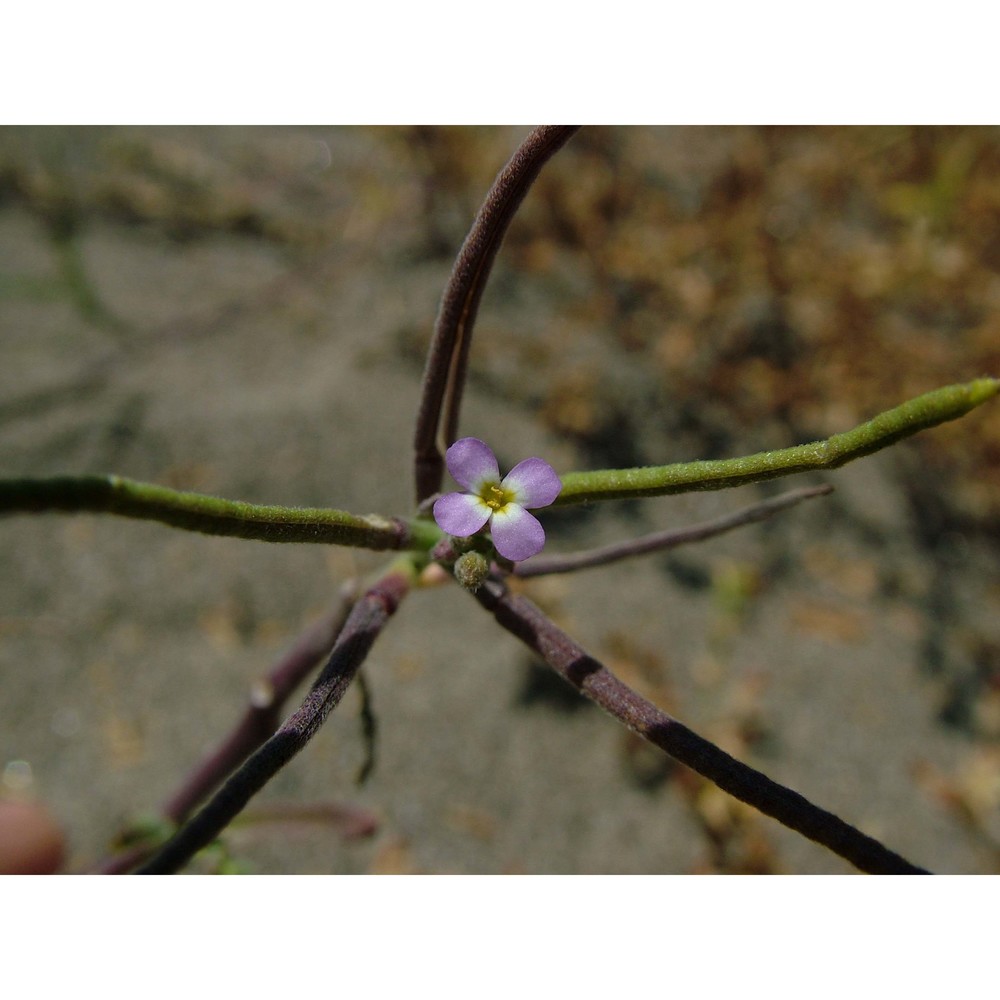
<point>351,821</point>
<point>369,730</point>
<point>366,620</point>
<point>658,541</point>
<point>444,375</point>
<point>520,617</point>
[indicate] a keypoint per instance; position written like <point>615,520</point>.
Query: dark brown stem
<point>369,730</point>
<point>660,540</point>
<point>366,620</point>
<point>259,721</point>
<point>263,713</point>
<point>520,617</point>
<point>444,375</point>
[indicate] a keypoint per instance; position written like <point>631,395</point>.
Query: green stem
<point>928,410</point>
<point>212,515</point>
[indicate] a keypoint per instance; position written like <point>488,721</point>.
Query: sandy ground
<point>241,312</point>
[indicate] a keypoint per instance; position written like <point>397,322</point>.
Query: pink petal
<point>470,461</point>
<point>516,534</point>
<point>460,514</point>
<point>534,483</point>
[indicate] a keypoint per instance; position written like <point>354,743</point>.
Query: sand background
<point>244,312</point>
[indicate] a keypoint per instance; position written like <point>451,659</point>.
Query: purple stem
<point>444,375</point>
<point>364,623</point>
<point>660,540</point>
<point>258,722</point>
<point>263,713</point>
<point>520,617</point>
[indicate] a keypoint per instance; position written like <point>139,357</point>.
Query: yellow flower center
<point>495,497</point>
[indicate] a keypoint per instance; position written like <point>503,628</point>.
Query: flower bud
<point>471,569</point>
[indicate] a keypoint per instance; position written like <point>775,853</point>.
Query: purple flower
<point>516,534</point>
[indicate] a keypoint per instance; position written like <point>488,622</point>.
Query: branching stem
<point>366,620</point>
<point>263,713</point>
<point>444,374</point>
<point>520,617</point>
<point>259,720</point>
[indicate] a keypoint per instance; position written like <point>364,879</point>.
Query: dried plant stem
<point>520,617</point>
<point>444,375</point>
<point>937,407</point>
<point>660,540</point>
<point>364,623</point>
<point>212,515</point>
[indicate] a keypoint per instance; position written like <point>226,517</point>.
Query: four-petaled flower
<point>516,534</point>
